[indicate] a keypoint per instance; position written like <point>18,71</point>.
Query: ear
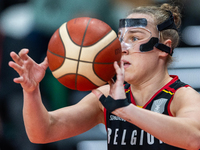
<point>168,43</point>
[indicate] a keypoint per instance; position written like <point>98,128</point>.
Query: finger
<point>16,67</point>
<point>45,63</point>
<point>120,72</point>
<point>116,66</point>
<point>16,58</point>
<point>97,93</point>
<point>23,54</point>
<point>18,80</point>
<point>122,66</point>
<point>119,69</point>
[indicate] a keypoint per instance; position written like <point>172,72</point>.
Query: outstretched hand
<point>30,73</point>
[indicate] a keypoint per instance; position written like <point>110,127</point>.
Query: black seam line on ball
<point>80,60</point>
<point>102,50</point>
<point>91,44</point>
<point>105,47</point>
<point>81,51</point>
<point>98,40</point>
<point>79,75</point>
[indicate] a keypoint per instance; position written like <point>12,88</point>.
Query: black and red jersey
<point>123,135</point>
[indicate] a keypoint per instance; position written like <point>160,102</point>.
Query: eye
<point>134,38</point>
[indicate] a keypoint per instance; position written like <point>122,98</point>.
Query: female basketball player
<point>152,111</point>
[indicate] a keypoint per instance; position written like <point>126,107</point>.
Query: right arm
<point>43,126</point>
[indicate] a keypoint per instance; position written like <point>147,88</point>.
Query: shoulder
<point>184,97</point>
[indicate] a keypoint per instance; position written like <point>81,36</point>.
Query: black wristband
<point>110,104</point>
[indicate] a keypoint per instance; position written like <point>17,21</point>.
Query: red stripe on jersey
<point>167,85</point>
<point>105,117</point>
<point>168,107</point>
<point>169,104</point>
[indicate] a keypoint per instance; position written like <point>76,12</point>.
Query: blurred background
<point>30,24</point>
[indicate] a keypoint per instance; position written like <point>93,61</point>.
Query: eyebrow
<point>131,31</point>
<point>136,31</point>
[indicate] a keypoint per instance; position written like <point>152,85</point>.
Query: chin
<point>126,79</point>
<point>129,78</point>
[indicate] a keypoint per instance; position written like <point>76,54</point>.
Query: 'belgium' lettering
<point>133,139</point>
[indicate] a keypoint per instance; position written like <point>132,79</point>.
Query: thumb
<point>45,63</point>
<point>97,93</point>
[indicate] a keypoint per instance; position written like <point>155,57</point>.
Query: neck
<point>143,91</point>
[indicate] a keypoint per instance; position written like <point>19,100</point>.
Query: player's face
<point>139,65</point>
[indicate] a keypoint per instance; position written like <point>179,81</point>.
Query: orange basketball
<point>81,53</point>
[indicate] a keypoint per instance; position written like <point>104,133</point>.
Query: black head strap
<point>164,48</point>
<point>130,22</point>
<point>168,24</point>
<point>149,45</point>
<point>153,42</point>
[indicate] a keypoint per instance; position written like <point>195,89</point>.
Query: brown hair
<point>160,14</point>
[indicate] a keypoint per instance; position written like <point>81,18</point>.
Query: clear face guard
<point>133,32</point>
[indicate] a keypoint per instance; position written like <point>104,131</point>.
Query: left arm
<point>182,131</point>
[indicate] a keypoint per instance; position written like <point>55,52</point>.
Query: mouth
<point>126,63</point>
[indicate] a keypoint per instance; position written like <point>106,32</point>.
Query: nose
<point>125,48</point>
<point>125,51</point>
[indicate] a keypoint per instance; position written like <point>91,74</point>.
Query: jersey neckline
<point>175,78</point>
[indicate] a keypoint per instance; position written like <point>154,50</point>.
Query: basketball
<point>81,53</point>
